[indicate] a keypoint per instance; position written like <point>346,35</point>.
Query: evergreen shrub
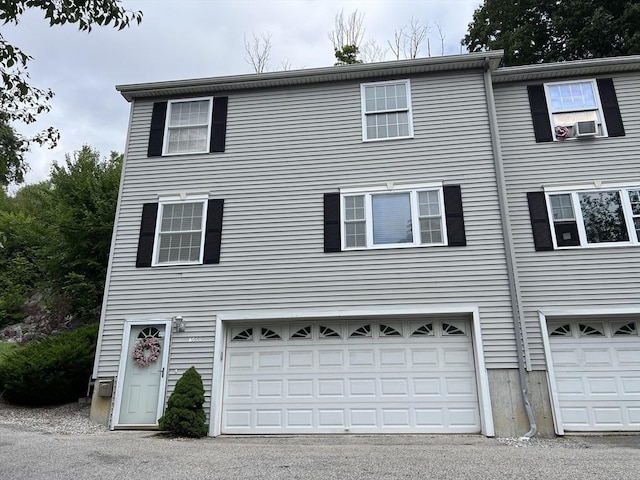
<point>51,371</point>
<point>184,415</point>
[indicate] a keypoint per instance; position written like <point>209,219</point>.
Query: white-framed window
<point>180,231</point>
<point>188,126</point>
<point>575,109</point>
<point>592,217</point>
<point>386,110</point>
<point>384,217</point>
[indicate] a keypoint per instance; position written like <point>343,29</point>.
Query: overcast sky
<point>181,39</point>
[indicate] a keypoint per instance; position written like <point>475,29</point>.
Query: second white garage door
<point>357,377</point>
<point>597,373</point>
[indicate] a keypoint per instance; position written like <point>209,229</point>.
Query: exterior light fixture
<point>178,324</point>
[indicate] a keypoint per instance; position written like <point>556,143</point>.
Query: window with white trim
<point>180,231</point>
<point>188,126</point>
<point>393,217</point>
<point>595,217</point>
<point>575,109</point>
<point>386,110</point>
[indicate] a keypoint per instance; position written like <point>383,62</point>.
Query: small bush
<point>185,415</point>
<point>5,349</point>
<point>51,371</point>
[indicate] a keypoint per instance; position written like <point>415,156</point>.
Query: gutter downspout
<point>512,272</point>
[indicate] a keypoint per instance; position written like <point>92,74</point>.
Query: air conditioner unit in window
<point>586,129</point>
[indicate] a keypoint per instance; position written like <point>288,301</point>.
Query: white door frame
<point>222,320</point>
<point>551,376</point>
<point>124,358</point>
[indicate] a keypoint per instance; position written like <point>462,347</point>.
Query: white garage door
<point>597,371</point>
<point>360,377</point>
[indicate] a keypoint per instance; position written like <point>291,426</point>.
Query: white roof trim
<point>592,66</point>
<point>312,75</point>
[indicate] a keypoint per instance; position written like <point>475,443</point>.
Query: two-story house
<point>349,250</point>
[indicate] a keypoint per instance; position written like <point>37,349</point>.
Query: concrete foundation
<point>509,415</point>
<point>100,408</point>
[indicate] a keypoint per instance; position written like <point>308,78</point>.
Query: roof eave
<point>542,71</point>
<point>313,75</point>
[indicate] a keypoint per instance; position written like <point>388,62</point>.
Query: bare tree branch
<point>398,39</point>
<point>442,37</point>
<point>372,52</point>
<point>408,39</point>
<point>258,50</point>
<point>285,65</point>
<point>347,31</point>
<point>415,37</point>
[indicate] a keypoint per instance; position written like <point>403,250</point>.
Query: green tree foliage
<point>56,236</point>
<point>536,31</point>
<point>84,195</point>
<point>347,55</point>
<point>12,150</point>
<point>51,371</point>
<point>19,100</point>
<point>184,415</point>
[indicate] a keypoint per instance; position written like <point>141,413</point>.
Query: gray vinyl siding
<point>575,278</point>
<point>285,148</point>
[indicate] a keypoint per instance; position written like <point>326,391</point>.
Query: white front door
<point>351,377</point>
<point>143,376</point>
<point>597,374</point>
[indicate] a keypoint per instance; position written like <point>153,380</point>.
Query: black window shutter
<point>156,134</point>
<point>539,221</point>
<point>219,124</point>
<point>539,113</point>
<point>610,108</point>
<point>454,216</point>
<point>147,235</point>
<point>332,222</point>
<point>213,233</point>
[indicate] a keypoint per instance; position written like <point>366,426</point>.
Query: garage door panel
<point>394,387</point>
<point>597,379</point>
<point>300,359</point>
<point>424,357</point>
<point>628,357</point>
<point>338,384</point>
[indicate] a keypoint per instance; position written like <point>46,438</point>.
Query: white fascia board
<point>587,67</point>
<point>467,61</point>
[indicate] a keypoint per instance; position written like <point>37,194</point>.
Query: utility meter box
<point>105,388</point>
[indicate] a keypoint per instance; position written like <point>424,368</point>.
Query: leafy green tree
<point>19,100</point>
<point>22,238</point>
<point>12,150</point>
<point>347,55</point>
<point>83,197</point>
<point>55,239</point>
<point>536,31</point>
<point>185,414</point>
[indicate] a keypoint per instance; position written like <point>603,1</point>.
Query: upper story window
<point>188,126</point>
<point>180,231</point>
<point>379,218</point>
<point>386,110</point>
<point>575,109</point>
<point>593,217</point>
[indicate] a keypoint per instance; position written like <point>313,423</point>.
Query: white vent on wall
<point>586,129</point>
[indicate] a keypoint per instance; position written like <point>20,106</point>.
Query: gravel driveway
<point>61,443</point>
